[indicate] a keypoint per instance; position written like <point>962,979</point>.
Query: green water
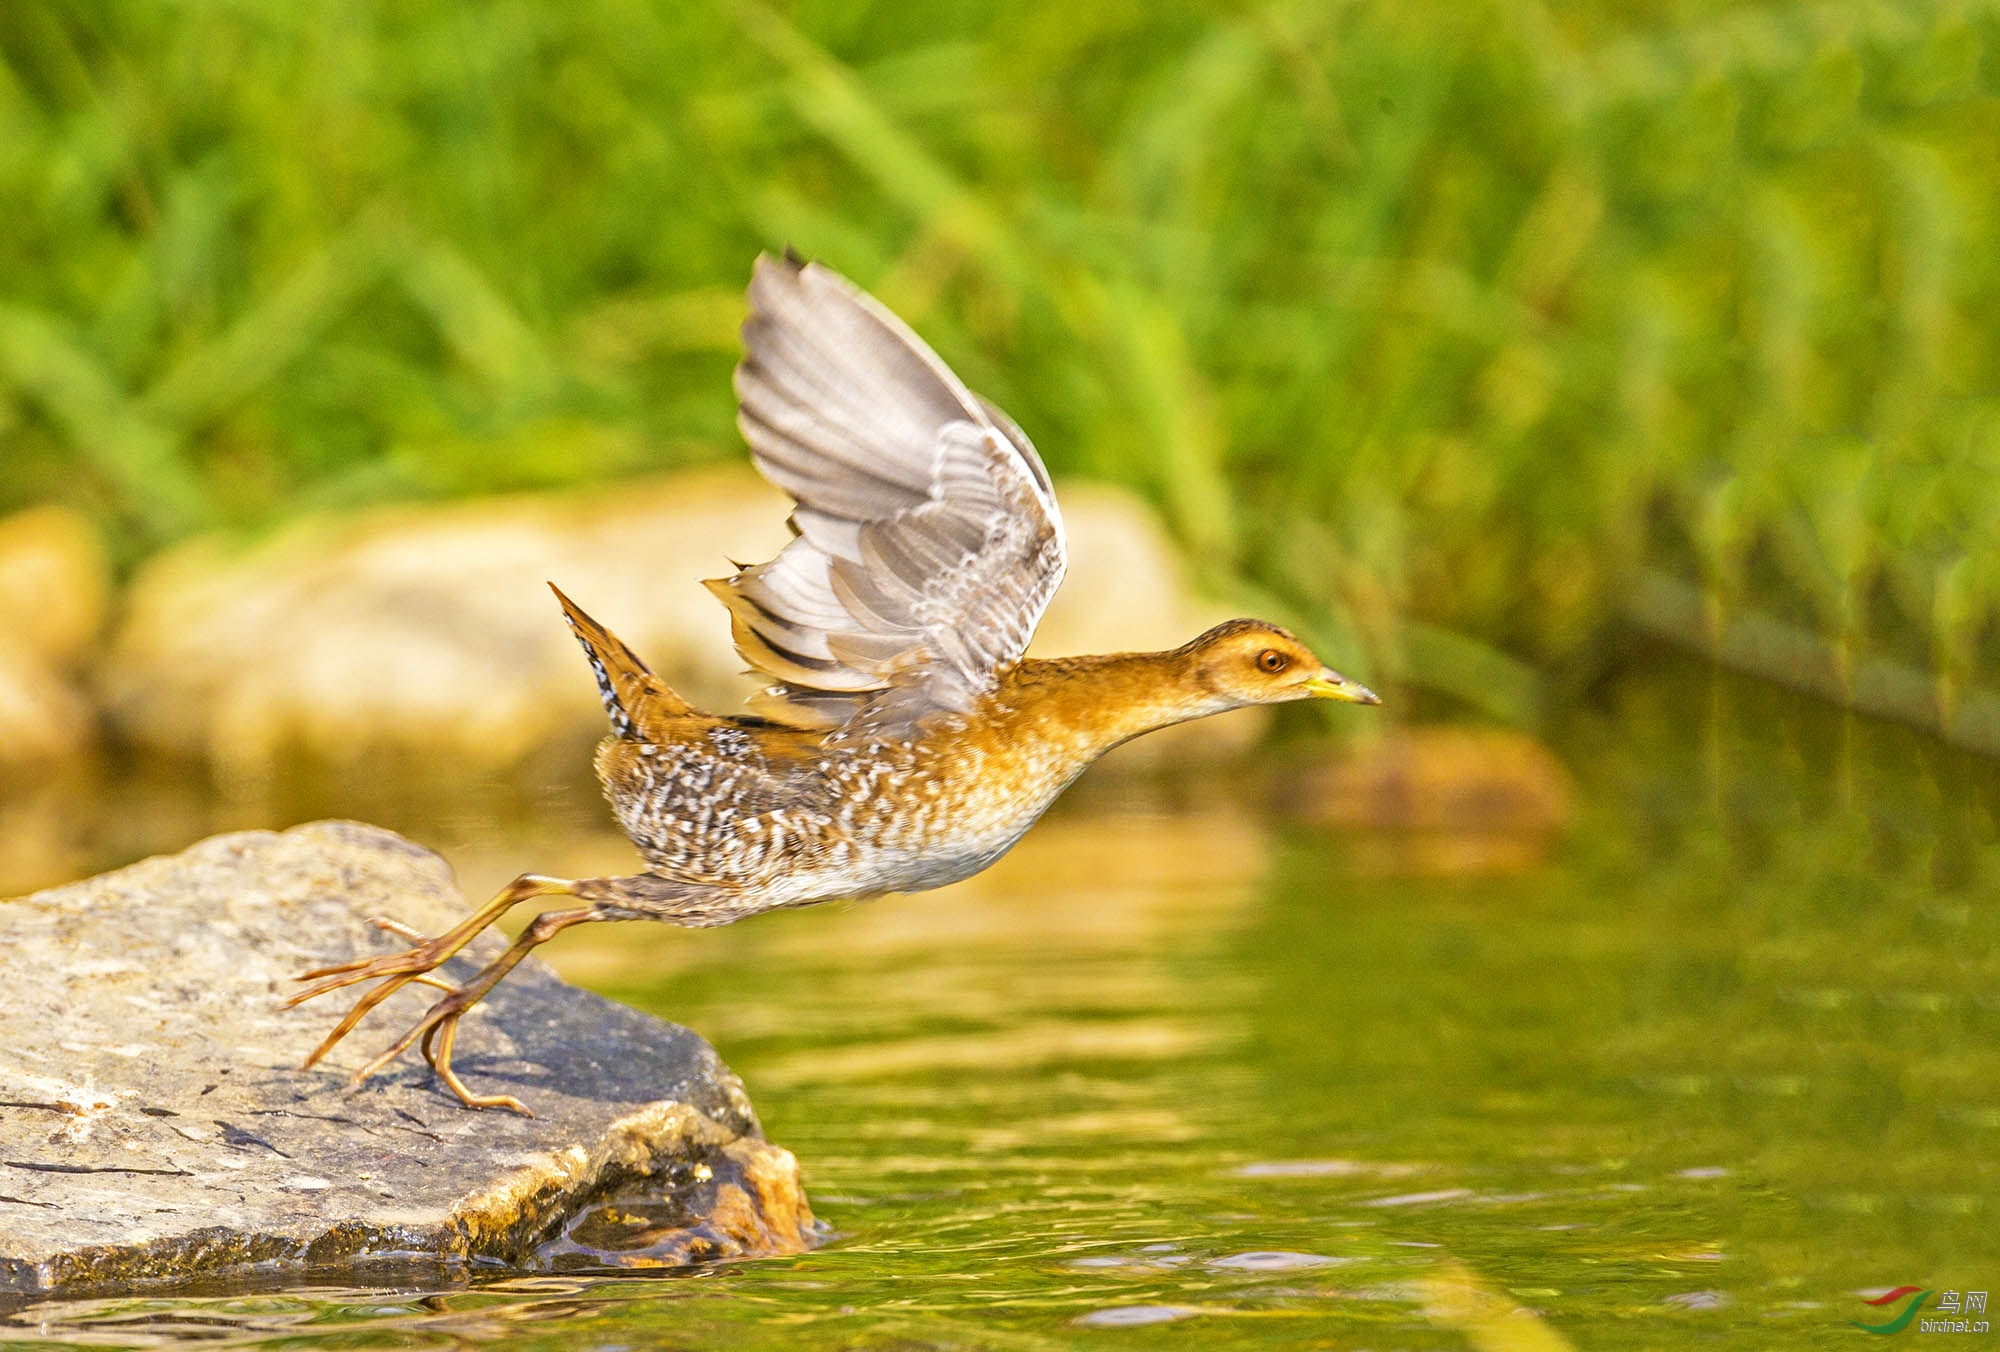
<point>1177,1074</point>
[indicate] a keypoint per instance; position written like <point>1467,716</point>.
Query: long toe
<point>412,962</point>
<point>328,985</point>
<point>446,1033</point>
<point>400,1045</point>
<point>338,969</point>
<point>355,1015</point>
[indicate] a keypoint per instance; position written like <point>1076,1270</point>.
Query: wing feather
<point>927,541</point>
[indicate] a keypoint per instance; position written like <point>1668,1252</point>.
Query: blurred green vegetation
<point>1461,335</point>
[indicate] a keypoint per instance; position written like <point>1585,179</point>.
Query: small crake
<point>904,741</point>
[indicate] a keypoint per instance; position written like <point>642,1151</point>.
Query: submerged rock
<point>154,1123</point>
<point>1441,800</point>
<point>426,631</point>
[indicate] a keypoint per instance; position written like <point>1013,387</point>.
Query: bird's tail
<point>632,694</point>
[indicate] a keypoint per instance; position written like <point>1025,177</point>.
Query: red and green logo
<point>1901,1321</point>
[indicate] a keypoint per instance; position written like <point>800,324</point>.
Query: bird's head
<point>1250,662</point>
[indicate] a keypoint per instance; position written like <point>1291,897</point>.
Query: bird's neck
<point>1093,703</point>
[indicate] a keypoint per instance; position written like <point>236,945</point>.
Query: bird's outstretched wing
<point>927,540</point>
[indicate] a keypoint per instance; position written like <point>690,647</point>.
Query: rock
<point>427,630</point>
<point>1441,800</point>
<point>46,826</point>
<point>42,716</point>
<point>156,1124</point>
<point>55,582</point>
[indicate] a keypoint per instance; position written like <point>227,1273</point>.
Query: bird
<point>902,739</point>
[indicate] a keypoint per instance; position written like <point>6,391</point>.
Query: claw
<point>447,1032</point>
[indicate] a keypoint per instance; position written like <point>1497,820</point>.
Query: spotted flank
<point>729,740</point>
<point>763,816</point>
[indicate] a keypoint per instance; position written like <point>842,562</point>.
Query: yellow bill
<point>1333,685</point>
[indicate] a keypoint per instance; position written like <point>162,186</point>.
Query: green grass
<point>1435,329</point>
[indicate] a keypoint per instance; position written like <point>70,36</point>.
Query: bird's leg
<point>439,1027</point>
<point>393,971</point>
<point>645,895</point>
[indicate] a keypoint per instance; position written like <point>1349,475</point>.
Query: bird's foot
<point>392,971</point>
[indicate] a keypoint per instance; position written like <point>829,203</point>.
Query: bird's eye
<point>1272,660</point>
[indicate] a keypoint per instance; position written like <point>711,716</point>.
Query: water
<point>1178,1074</point>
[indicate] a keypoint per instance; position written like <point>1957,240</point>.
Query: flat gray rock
<point>154,1123</point>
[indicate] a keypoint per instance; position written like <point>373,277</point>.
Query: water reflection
<point>1173,1072</point>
